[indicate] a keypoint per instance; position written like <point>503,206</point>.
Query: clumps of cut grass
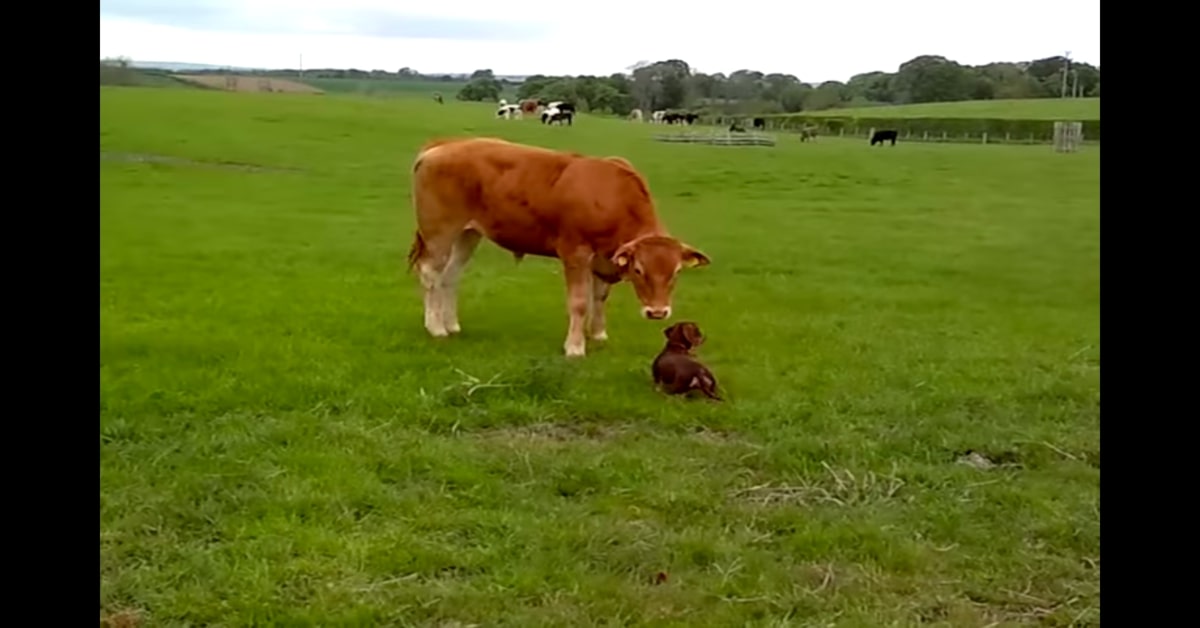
<point>839,487</point>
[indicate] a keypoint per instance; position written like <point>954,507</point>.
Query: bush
<point>954,127</point>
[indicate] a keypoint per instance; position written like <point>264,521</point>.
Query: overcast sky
<point>815,42</point>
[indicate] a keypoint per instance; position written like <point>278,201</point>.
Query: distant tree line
<point>674,85</point>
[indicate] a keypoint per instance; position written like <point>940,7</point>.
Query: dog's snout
<point>657,313</point>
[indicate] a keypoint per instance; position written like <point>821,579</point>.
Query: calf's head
<point>651,264</point>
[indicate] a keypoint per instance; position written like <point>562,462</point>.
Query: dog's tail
<point>417,251</point>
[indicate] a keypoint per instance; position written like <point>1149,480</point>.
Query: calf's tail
<point>416,251</point>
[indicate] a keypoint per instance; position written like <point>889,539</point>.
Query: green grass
<point>1017,109</point>
<point>281,442</point>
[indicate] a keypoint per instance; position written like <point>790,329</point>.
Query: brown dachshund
<point>676,370</point>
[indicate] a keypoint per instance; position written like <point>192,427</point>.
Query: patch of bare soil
<point>129,618</point>
<point>236,83</point>
<point>181,161</point>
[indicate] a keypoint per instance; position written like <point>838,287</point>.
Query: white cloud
<point>814,42</point>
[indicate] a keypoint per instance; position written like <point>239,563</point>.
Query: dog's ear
<point>691,333</point>
<point>670,332</point>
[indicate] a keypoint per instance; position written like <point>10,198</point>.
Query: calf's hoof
<point>574,350</point>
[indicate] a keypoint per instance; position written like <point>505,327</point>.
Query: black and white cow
<point>550,116</point>
<point>508,111</point>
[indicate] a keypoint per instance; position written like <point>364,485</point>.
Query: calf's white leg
<point>460,254</point>
<point>431,269</point>
<point>600,289</point>
<point>579,296</point>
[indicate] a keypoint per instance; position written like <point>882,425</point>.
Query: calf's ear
<point>623,257</point>
<point>692,258</point>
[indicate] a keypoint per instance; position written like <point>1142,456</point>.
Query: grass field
<point>280,441</point>
<point>400,89</point>
<point>248,83</point>
<point>1017,109</point>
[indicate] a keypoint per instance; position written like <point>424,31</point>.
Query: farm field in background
<point>1016,109</point>
<point>247,83</point>
<point>389,88</point>
<point>281,442</point>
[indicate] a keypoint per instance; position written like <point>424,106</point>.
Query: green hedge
<point>957,127</point>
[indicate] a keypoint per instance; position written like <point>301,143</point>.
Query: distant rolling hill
<point>179,66</point>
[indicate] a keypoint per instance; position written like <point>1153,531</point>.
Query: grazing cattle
<point>508,111</point>
<point>529,105</point>
<point>636,115</point>
<point>438,98</point>
<point>736,128</point>
<point>595,214</point>
<point>657,116</point>
<point>883,136</point>
<point>550,116</point>
<point>680,118</point>
<point>759,123</point>
<point>808,133</point>
<point>561,106</point>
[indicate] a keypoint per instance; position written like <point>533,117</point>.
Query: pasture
<point>1013,109</point>
<point>281,442</point>
<point>392,88</point>
<point>247,83</point>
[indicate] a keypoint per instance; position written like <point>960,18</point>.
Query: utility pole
<point>302,65</point>
<point>1066,69</point>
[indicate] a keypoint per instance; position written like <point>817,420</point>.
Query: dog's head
<point>684,334</point>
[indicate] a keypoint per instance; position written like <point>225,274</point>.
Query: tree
<point>932,78</point>
<point>483,86</point>
<point>794,96</point>
<point>826,96</point>
<point>871,86</point>
<point>662,85</point>
<point>1009,80</point>
<point>773,85</point>
<point>533,85</point>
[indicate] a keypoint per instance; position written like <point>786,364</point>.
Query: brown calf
<point>594,214</point>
